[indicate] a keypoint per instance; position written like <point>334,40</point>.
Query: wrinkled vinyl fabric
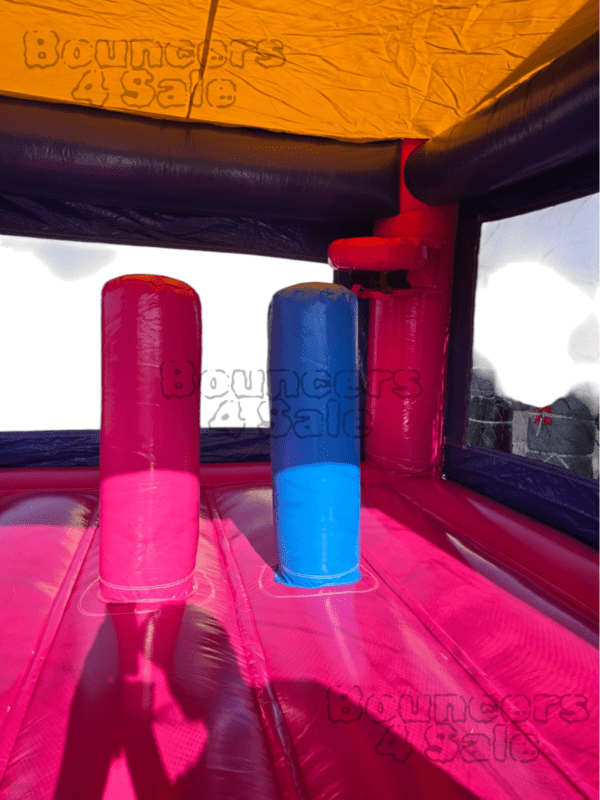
<point>549,120</point>
<point>381,70</point>
<point>462,664</point>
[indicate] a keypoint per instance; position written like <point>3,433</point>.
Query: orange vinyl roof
<point>365,70</point>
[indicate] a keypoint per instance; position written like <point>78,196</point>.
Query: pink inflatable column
<point>150,439</point>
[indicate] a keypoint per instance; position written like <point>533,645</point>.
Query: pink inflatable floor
<point>463,665</point>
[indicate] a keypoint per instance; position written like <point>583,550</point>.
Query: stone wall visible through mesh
<point>564,434</point>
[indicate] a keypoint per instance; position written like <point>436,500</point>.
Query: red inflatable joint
<point>369,294</point>
<point>383,255</point>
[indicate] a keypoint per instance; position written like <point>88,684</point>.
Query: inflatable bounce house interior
<point>387,589</point>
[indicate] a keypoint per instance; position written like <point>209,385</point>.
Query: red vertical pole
<point>408,342</point>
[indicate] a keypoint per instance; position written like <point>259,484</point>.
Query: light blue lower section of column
<point>317,518</point>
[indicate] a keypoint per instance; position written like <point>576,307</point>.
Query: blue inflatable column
<point>315,436</point>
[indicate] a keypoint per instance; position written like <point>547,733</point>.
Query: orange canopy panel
<point>364,70</point>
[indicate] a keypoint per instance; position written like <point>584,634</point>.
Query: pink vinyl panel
<point>44,539</point>
<point>141,701</point>
<point>435,676</point>
<point>427,678</point>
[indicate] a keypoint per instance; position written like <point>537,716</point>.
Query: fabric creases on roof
<point>385,69</point>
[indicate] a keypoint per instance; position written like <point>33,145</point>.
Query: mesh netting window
<point>534,381</point>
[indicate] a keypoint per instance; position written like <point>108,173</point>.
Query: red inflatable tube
<point>150,439</point>
<point>408,340</point>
